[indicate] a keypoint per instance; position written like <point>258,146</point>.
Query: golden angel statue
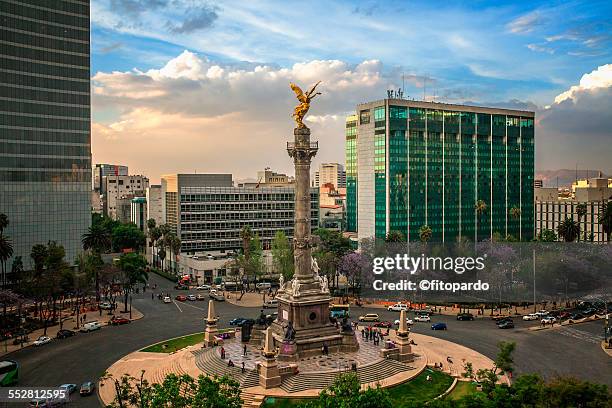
<point>300,111</point>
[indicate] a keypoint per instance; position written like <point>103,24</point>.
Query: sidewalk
<point>69,324</point>
<point>250,299</point>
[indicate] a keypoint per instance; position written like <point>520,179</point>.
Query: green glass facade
<point>351,173</point>
<point>433,162</point>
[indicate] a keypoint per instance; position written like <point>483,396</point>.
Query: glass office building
<point>425,163</point>
<point>45,149</point>
<point>351,173</point>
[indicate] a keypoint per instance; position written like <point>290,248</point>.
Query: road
<point>565,351</point>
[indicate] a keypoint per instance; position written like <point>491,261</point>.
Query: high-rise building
<point>425,163</point>
<point>102,170</point>
<point>154,204</point>
<point>330,173</point>
<point>119,191</point>
<point>45,144</point>
<point>138,212</point>
<point>208,213</point>
<point>351,173</point>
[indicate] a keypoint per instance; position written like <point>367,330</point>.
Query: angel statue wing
<point>298,92</point>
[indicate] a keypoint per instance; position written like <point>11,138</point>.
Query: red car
<point>383,324</point>
<point>118,320</point>
<point>181,298</point>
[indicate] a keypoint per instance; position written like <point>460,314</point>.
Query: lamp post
<point>130,307</point>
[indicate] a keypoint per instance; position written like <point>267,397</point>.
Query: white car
<point>106,306</point>
<point>541,313</point>
<point>203,287</point>
<point>531,316</point>
<point>91,326</point>
<point>409,322</point>
<point>263,285</point>
<point>370,317</point>
<point>191,297</point>
<point>270,304</point>
<point>398,307</point>
<point>167,299</point>
<point>42,340</point>
<point>422,318</point>
<point>548,320</point>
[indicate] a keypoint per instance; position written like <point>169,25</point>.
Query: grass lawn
<point>462,388</point>
<point>420,390</point>
<point>272,402</point>
<point>173,345</point>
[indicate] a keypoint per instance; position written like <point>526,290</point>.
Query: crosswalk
<point>580,335</point>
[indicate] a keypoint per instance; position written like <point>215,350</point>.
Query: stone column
<point>402,341</point>
<point>211,325</point>
<point>269,375</point>
<point>302,152</point>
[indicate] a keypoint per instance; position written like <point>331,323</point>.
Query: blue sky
<point>477,51</point>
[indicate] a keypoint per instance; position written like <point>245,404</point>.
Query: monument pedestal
<point>402,341</point>
<point>211,326</point>
<point>269,373</point>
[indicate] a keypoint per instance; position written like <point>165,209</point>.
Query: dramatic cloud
<point>601,78</point>
<point>198,19</point>
<point>134,8</point>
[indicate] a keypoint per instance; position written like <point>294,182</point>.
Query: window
<point>364,117</point>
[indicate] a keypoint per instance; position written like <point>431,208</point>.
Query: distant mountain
<point>564,177</point>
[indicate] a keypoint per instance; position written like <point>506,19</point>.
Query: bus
<point>9,373</point>
<point>339,311</point>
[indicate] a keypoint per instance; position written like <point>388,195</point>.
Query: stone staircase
<point>208,361</point>
<point>251,400</point>
<point>370,373</point>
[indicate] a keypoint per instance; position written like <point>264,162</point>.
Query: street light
<point>130,307</point>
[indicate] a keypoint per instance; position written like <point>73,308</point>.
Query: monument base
<point>269,374</point>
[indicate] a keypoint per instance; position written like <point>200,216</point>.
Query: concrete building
<point>538,183</point>
<point>332,204</point>
<point>204,267</point>
<point>45,138</point>
<point>269,178</point>
<point>154,204</point>
<point>208,213</point>
<point>545,194</point>
<point>100,171</point>
<point>593,189</point>
<point>330,173</point>
<point>122,188</point>
<point>138,212</point>
<point>427,163</point>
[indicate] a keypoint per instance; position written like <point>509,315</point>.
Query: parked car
<point>438,326</point>
<point>87,388</point>
<point>181,287</point>
<point>422,318</point>
<point>383,324</point>
<point>577,316</point>
<point>200,296</point>
<point>118,320</point>
<point>192,298</point>
<point>91,326</point>
<point>167,299</point>
<point>216,296</point>
<point>465,316</point>
<point>203,287</point>
<point>181,298</point>
<point>564,315</point>
<point>504,320</point>
<point>64,333</point>
<point>270,304</point>
<point>46,403</point>
<point>531,316</point>
<point>106,306</point>
<point>398,307</point>
<point>263,285</point>
<point>370,317</point>
<point>542,313</point>
<point>237,321</point>
<point>506,324</point>
<point>548,320</point>
<point>70,388</point>
<point>409,322</point>
<point>42,340</point>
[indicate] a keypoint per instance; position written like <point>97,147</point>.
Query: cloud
<point>197,19</point>
<point>540,48</point>
<point>526,23</point>
<point>110,48</point>
<point>597,79</point>
<point>134,8</point>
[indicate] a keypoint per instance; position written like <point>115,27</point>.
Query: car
<point>200,296</point>
<point>42,340</point>
<point>564,315</point>
<point>70,388</point>
<point>422,318</point>
<point>106,306</point>
<point>181,298</point>
<point>46,403</point>
<point>118,320</point>
<point>87,388</point>
<point>541,313</point>
<point>263,285</point>
<point>181,287</point>
<point>91,326</point>
<point>270,304</point>
<point>398,307</point>
<point>167,299</point>
<point>203,287</point>
<point>64,333</point>
<point>576,316</point>
<point>507,324</point>
<point>370,317</point>
<point>384,324</point>
<point>504,320</point>
<point>216,296</point>
<point>408,322</point>
<point>465,316</point>
<point>237,321</point>
<point>548,320</point>
<point>438,326</point>
<point>531,316</point>
<point>192,298</point>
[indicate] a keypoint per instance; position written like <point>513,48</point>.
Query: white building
<point>122,187</point>
<point>154,204</point>
<point>100,171</point>
<point>330,173</point>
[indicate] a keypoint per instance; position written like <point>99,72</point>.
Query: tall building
<point>138,212</point>
<point>330,173</point>
<point>154,204</point>
<point>426,163</point>
<point>119,191</point>
<point>351,173</point>
<point>208,213</point>
<point>45,144</point>
<point>102,170</point>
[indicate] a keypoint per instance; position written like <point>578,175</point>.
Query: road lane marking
<point>177,306</point>
<point>196,307</point>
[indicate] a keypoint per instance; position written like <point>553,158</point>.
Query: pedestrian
<point>222,353</point>
<point>244,350</point>
<point>243,366</point>
<point>152,296</point>
<point>230,363</point>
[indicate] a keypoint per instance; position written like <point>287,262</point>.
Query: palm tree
<point>569,230</point>
<point>605,219</point>
<point>246,235</point>
<point>39,255</point>
<point>6,251</point>
<point>515,212</point>
<point>425,233</point>
<point>175,247</point>
<point>581,211</point>
<point>154,234</point>
<point>481,208</point>
<point>97,239</point>
<point>395,236</point>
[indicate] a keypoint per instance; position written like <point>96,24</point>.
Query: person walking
<point>244,350</point>
<point>243,366</point>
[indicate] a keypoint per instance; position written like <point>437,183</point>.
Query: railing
<point>293,145</point>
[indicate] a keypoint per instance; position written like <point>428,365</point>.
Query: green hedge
<point>171,277</point>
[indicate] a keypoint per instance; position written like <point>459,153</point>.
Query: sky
<point>203,86</point>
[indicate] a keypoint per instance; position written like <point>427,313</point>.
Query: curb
<point>608,351</point>
<point>448,391</point>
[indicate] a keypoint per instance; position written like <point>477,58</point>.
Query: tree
<point>174,244</point>
<point>97,239</point>
<point>133,271</point>
<point>481,209</point>
<point>17,269</point>
<point>569,230</point>
<point>282,255</point>
<point>395,236</point>
<point>39,254</point>
<point>504,360</point>
<point>246,235</point>
<point>515,212</point>
<point>581,211</point>
<point>6,247</point>
<point>354,267</point>
<point>572,392</point>
<point>547,235</point>
<point>328,253</point>
<point>128,236</point>
<point>605,219</point>
<point>345,392</point>
<point>425,233</point>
